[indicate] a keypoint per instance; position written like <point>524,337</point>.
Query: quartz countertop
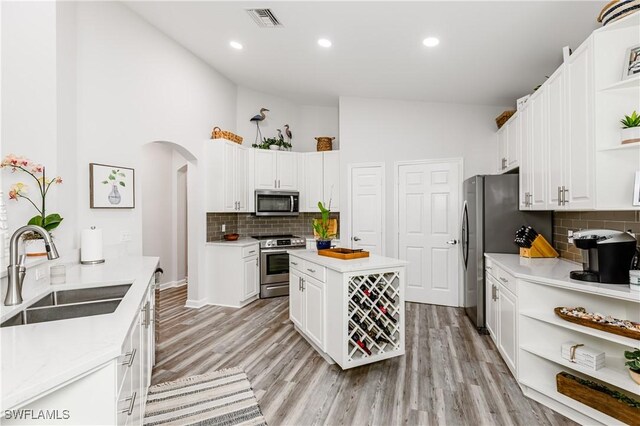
<point>555,272</point>
<point>371,262</point>
<point>37,358</point>
<point>240,242</point>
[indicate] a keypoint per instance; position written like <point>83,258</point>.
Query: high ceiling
<point>489,53</point>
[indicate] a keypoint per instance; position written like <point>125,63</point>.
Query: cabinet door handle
<point>559,196</point>
<point>313,271</point>
<point>294,263</point>
<point>252,251</point>
<point>278,183</point>
<point>303,282</point>
<point>256,262</point>
<point>299,283</point>
<point>275,183</point>
<point>564,195</point>
<point>132,356</point>
<point>132,403</point>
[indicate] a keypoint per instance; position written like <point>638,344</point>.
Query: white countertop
<point>555,272</point>
<point>240,242</point>
<point>36,358</point>
<point>371,262</point>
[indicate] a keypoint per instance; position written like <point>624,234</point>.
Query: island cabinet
<point>350,311</point>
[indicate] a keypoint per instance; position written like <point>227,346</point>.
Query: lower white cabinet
<point>234,271</point>
<point>502,313</point>
<point>307,301</point>
<point>114,393</point>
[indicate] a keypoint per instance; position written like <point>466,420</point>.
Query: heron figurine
<point>280,138</point>
<point>288,132</point>
<point>257,119</point>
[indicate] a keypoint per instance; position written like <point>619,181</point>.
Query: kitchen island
<point>350,311</point>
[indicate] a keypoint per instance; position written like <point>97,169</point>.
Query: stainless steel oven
<point>274,263</point>
<point>277,203</point>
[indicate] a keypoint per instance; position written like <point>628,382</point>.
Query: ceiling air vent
<point>264,18</point>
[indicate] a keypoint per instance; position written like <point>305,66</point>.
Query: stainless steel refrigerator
<point>490,218</point>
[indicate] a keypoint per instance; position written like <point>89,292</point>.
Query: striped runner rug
<point>223,397</point>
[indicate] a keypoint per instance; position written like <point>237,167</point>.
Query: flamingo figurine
<point>257,119</point>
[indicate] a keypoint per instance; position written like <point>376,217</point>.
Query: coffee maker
<point>606,255</point>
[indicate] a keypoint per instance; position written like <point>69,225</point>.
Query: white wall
<point>381,130</point>
<point>305,121</point>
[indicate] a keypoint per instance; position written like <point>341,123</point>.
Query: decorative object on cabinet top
<point>598,321</point>
<point>630,132</point>
<point>325,143</point>
<point>599,397</point>
<point>111,187</point>
<point>257,119</point>
<point>504,117</point>
<point>617,9</point>
<point>218,133</point>
<point>274,143</point>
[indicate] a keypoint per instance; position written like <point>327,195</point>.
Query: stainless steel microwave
<point>277,203</point>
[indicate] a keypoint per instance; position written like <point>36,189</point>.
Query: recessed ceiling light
<point>324,42</point>
<point>235,45</point>
<point>431,41</point>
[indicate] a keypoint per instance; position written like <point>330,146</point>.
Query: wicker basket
<point>616,9</point>
<point>503,118</point>
<point>325,143</point>
<point>218,133</point>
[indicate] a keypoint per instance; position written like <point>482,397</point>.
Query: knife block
<point>539,248</point>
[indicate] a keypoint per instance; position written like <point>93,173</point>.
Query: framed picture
<point>631,62</point>
<point>111,187</point>
<point>636,190</point>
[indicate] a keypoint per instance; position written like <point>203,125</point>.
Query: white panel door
<point>251,277</point>
<point>579,179</point>
<point>313,181</point>
<point>491,307</point>
<point>295,298</point>
<point>331,172</point>
<point>513,142</point>
<point>265,169</point>
<point>287,171</point>
<point>525,158</point>
<point>508,341</point>
<point>241,178</point>
<point>428,218</point>
<point>502,148</point>
<point>313,311</point>
<point>229,186</point>
<point>538,142</point>
<point>367,204</point>
<point>556,161</point>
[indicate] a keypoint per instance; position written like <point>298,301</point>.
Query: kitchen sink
<point>67,304</point>
<point>66,297</point>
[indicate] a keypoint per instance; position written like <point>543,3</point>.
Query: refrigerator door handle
<point>465,234</point>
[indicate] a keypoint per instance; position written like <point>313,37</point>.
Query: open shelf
<point>612,374</point>
<point>630,83</point>
<point>625,146</point>
<point>551,318</point>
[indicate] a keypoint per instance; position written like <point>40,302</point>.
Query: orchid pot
<point>630,135</point>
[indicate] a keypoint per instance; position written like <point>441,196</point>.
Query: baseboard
<point>173,284</point>
<point>195,304</point>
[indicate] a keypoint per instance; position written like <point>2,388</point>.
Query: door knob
<point>356,238</point>
<point>452,242</point>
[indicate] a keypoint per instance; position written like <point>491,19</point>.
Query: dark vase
<point>323,244</point>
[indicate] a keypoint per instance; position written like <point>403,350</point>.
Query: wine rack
<point>375,320</point>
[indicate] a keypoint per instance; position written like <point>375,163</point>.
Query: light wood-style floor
<point>450,374</point>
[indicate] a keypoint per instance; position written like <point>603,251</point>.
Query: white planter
<point>274,147</point>
<point>630,135</point>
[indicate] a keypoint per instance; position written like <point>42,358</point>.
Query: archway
<point>163,215</point>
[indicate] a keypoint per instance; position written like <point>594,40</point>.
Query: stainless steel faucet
<point>16,269</point>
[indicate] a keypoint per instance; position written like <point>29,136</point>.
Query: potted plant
<point>634,364</point>
<point>34,243</point>
<point>322,227</point>
<point>630,132</point>
<point>267,143</point>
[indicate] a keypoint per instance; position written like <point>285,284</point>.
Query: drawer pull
<point>489,268</point>
<point>294,263</point>
<point>132,403</point>
<point>313,271</point>
<point>132,356</point>
<point>252,251</point>
<point>504,280</point>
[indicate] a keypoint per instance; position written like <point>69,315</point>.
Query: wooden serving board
<point>344,253</point>
<point>597,398</point>
<point>598,326</point>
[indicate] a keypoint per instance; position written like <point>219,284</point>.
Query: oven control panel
<point>285,242</point>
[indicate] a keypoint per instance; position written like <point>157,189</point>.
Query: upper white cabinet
<point>570,129</point>
<point>276,170</point>
<point>320,174</point>
<point>509,144</point>
<point>227,171</point>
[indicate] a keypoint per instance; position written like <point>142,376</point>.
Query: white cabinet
<point>509,145</point>
<point>234,273</point>
<point>502,148</point>
<point>525,175</point>
<point>507,324</point>
<point>320,172</point>
<point>227,182</point>
<point>307,301</point>
<point>491,307</point>
<point>556,136</point>
<point>276,170</point>
<point>537,150</point>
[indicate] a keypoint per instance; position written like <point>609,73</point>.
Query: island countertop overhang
<point>346,266</point>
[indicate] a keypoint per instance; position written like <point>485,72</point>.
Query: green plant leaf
<point>121,183</point>
<point>36,220</point>
<point>121,174</point>
<point>105,181</point>
<point>112,177</point>
<point>114,171</point>
<point>52,221</point>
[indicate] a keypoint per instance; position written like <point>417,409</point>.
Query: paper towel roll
<point>91,246</point>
